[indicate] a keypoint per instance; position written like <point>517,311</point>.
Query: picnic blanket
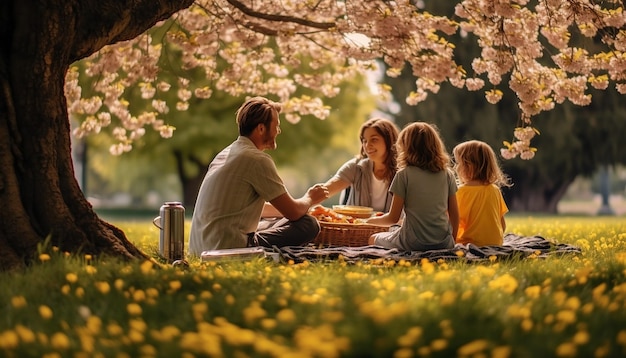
<point>514,246</point>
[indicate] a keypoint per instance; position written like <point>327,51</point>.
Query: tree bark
<point>536,195</point>
<point>190,184</point>
<point>39,194</point>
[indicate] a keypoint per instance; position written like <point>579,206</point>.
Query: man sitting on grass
<point>240,181</point>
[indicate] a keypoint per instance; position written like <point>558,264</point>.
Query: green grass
<point>77,306</point>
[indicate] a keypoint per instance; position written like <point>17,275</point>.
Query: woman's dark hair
<point>389,131</point>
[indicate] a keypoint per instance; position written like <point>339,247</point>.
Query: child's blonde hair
<point>476,160</point>
<point>420,145</point>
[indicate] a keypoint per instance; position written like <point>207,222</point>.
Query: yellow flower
<point>9,340</point>
<point>205,295</point>
<point>444,276</point>
<point>448,298</point>
<point>146,267</point>
<point>518,311</point>
<point>501,352</point>
<point>18,301</point>
<point>268,323</point>
<point>426,295</point>
<point>621,338</point>
<point>175,285</point>
<point>80,292</point>
<point>572,303</point>
<point>45,312</point>
<point>169,332</point>
<point>103,287</point>
<point>59,341</point>
<point>253,312</point>
<point>506,283</point>
<point>133,309</point>
<point>566,350</point>
<point>71,277</point>
<point>94,324</point>
<point>403,353</point>
<point>44,257</point>
<point>533,291</point>
<point>138,325</point>
<point>286,315</point>
<point>26,334</point>
<point>135,336</point>
<point>486,271</point>
<point>152,292</point>
<point>581,337</point>
<point>566,316</point>
<point>139,296</point>
<point>198,310</point>
<point>148,351</point>
<point>438,344</point>
<point>114,329</point>
<point>473,348</point>
<point>410,337</point>
<point>427,266</point>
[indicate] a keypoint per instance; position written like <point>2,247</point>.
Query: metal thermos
<point>171,221</point>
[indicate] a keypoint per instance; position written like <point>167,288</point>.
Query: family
<point>407,175</point>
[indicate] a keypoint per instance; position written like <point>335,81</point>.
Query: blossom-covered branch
<point>547,52</point>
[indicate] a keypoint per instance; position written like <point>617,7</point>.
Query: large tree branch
<point>280,18</point>
<point>104,22</point>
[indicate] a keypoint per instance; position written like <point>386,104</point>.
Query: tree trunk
<point>190,184</point>
<point>528,196</point>
<point>39,194</point>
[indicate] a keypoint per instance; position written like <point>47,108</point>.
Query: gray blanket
<point>514,246</point>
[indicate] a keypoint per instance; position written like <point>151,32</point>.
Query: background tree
<point>308,151</point>
<point>533,47</point>
<point>574,140</point>
<point>38,191</point>
<point>207,126</point>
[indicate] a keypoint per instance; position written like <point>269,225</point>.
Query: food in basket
<point>337,229</point>
<point>324,214</point>
<point>354,211</point>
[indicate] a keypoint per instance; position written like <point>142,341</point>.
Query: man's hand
<point>294,209</point>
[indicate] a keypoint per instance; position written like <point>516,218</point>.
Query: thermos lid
<point>173,203</point>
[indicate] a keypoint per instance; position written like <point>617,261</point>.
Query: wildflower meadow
<point>573,305</point>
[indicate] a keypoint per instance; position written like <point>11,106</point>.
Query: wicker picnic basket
<point>344,234</point>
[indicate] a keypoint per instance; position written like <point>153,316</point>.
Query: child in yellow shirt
<point>481,205</point>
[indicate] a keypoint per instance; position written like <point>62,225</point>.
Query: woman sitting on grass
<point>369,175</point>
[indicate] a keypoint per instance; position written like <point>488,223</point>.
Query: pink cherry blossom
<point>274,48</point>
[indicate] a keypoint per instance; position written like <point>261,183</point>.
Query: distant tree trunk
<point>39,194</point>
<point>190,184</point>
<point>528,196</point>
